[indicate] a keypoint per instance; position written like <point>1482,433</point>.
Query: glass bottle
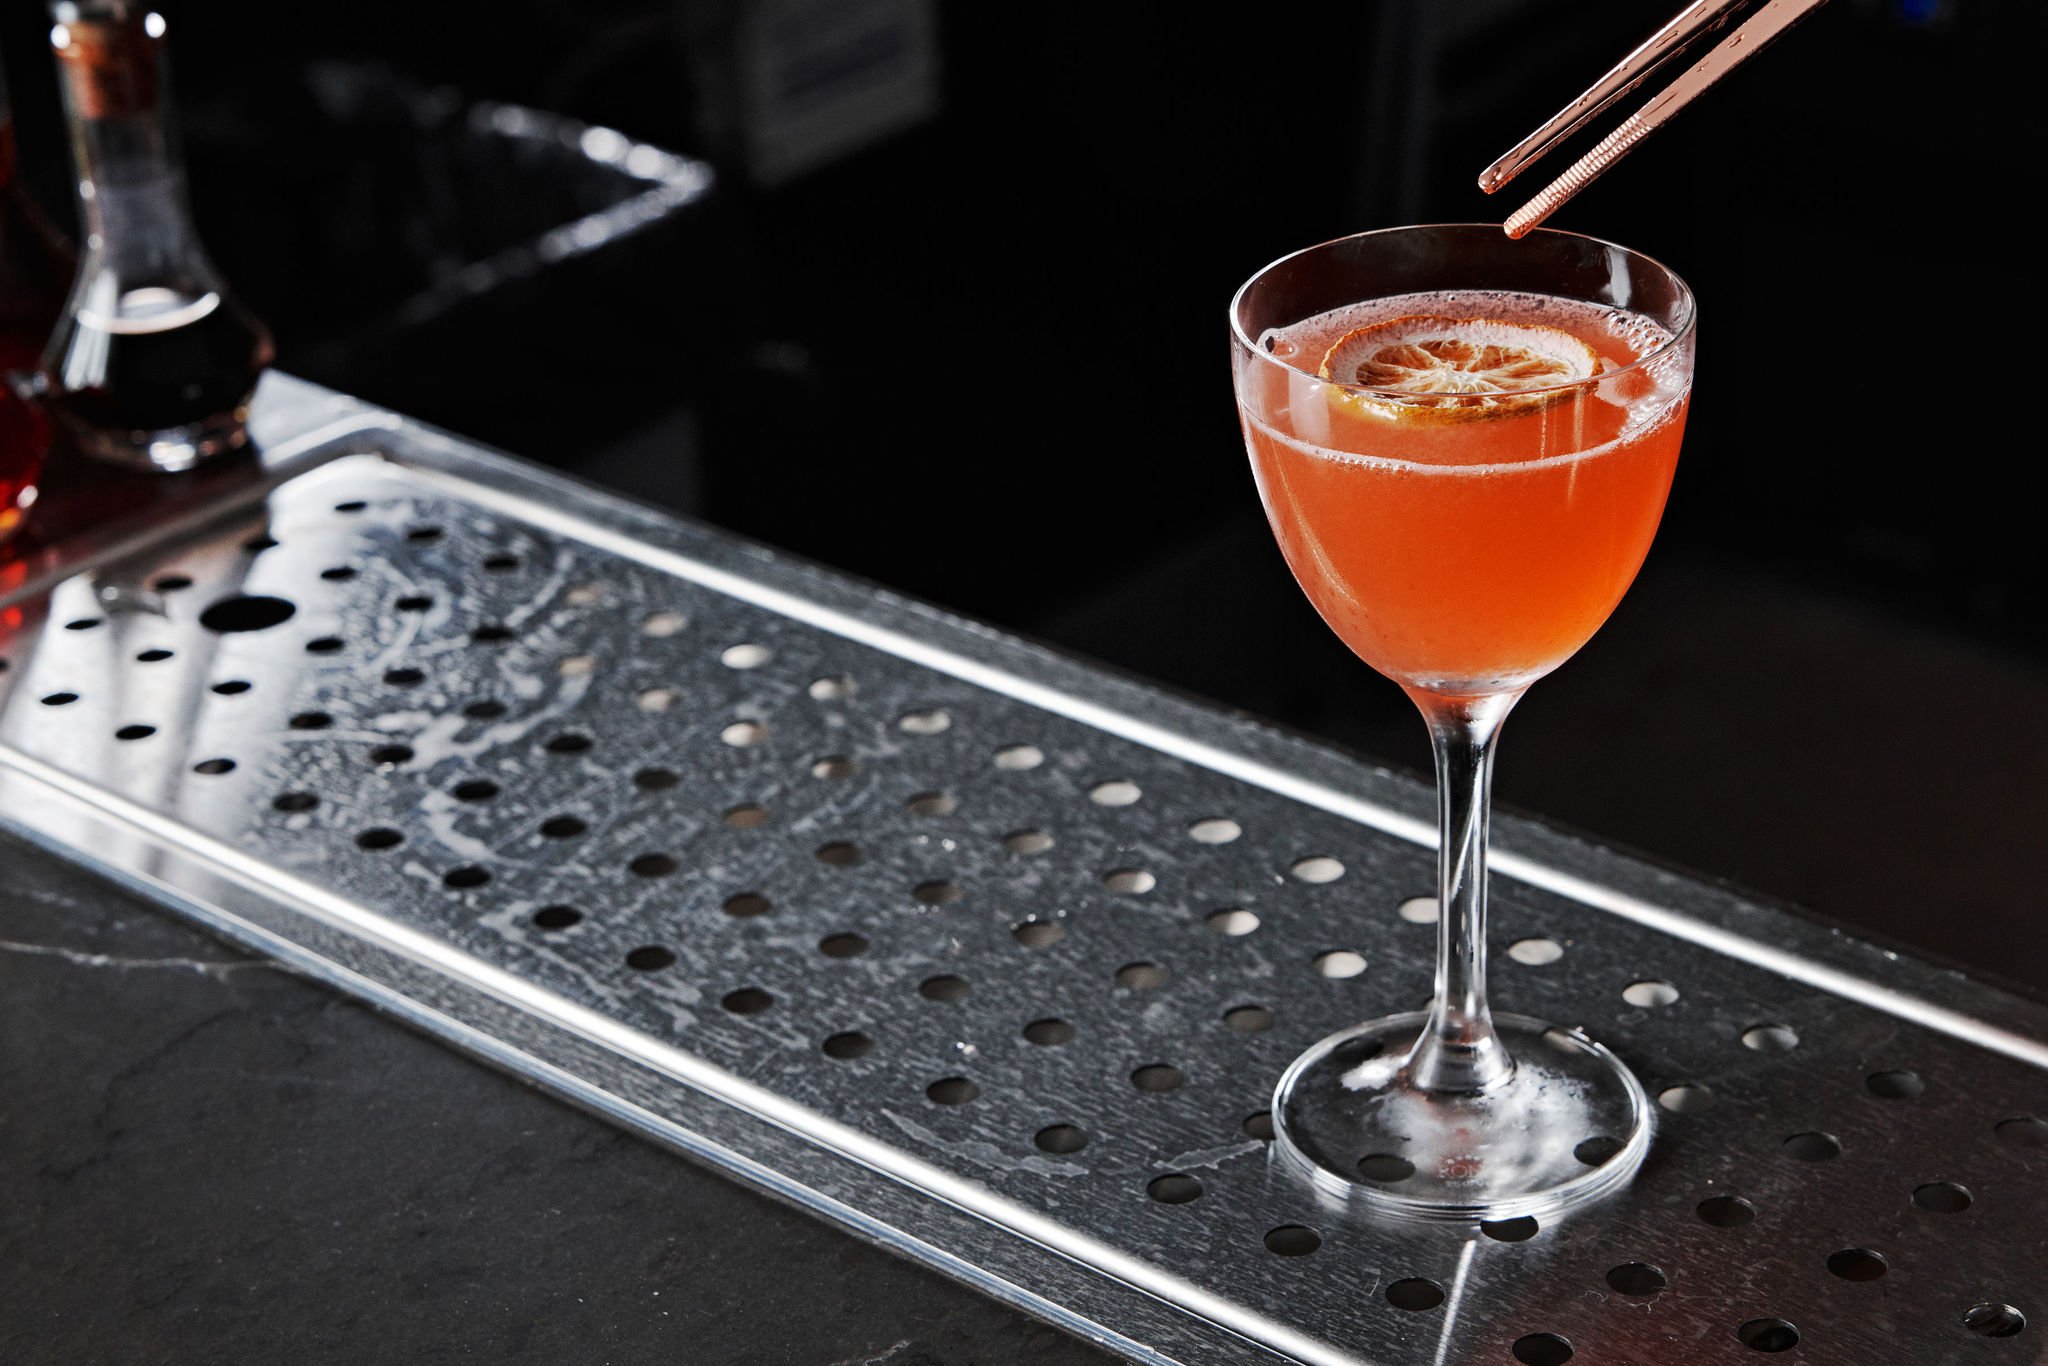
<point>154,361</point>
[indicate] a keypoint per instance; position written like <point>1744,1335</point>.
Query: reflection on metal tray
<point>986,955</point>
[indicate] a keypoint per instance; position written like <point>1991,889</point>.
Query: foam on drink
<point>1637,395</point>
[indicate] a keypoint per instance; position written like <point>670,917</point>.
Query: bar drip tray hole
<point>1768,1335</point>
<point>1542,1349</point>
<point>247,612</point>
<point>1994,1320</point>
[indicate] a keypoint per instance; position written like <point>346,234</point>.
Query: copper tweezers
<point>1700,17</point>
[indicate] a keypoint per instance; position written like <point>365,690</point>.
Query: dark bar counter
<point>204,1157</point>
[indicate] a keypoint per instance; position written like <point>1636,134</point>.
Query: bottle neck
<point>131,178</point>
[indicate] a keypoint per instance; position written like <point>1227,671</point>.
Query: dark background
<point>982,359</point>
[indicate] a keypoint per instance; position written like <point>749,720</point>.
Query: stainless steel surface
<point>966,946</point>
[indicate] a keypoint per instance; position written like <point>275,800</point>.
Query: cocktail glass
<point>1463,443</point>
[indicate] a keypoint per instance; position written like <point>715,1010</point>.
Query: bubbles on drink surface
<point>1643,390</point>
<point>1634,331</point>
<point>1620,336</point>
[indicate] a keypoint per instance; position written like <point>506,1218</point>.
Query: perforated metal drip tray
<point>989,956</point>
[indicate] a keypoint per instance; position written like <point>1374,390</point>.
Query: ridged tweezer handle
<point>1582,173</point>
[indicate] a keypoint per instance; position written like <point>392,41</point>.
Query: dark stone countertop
<point>204,1157</point>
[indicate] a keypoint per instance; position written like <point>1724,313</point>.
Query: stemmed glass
<point>1463,443</point>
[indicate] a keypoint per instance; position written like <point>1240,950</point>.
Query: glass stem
<point>1459,1050</point>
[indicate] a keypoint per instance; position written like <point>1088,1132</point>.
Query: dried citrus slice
<point>1459,369</point>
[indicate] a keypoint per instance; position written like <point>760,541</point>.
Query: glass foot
<point>1571,1125</point>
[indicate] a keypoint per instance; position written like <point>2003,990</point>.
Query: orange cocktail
<point>1463,442</point>
<point>1468,542</point>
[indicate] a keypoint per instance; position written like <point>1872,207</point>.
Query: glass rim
<point>1679,335</point>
